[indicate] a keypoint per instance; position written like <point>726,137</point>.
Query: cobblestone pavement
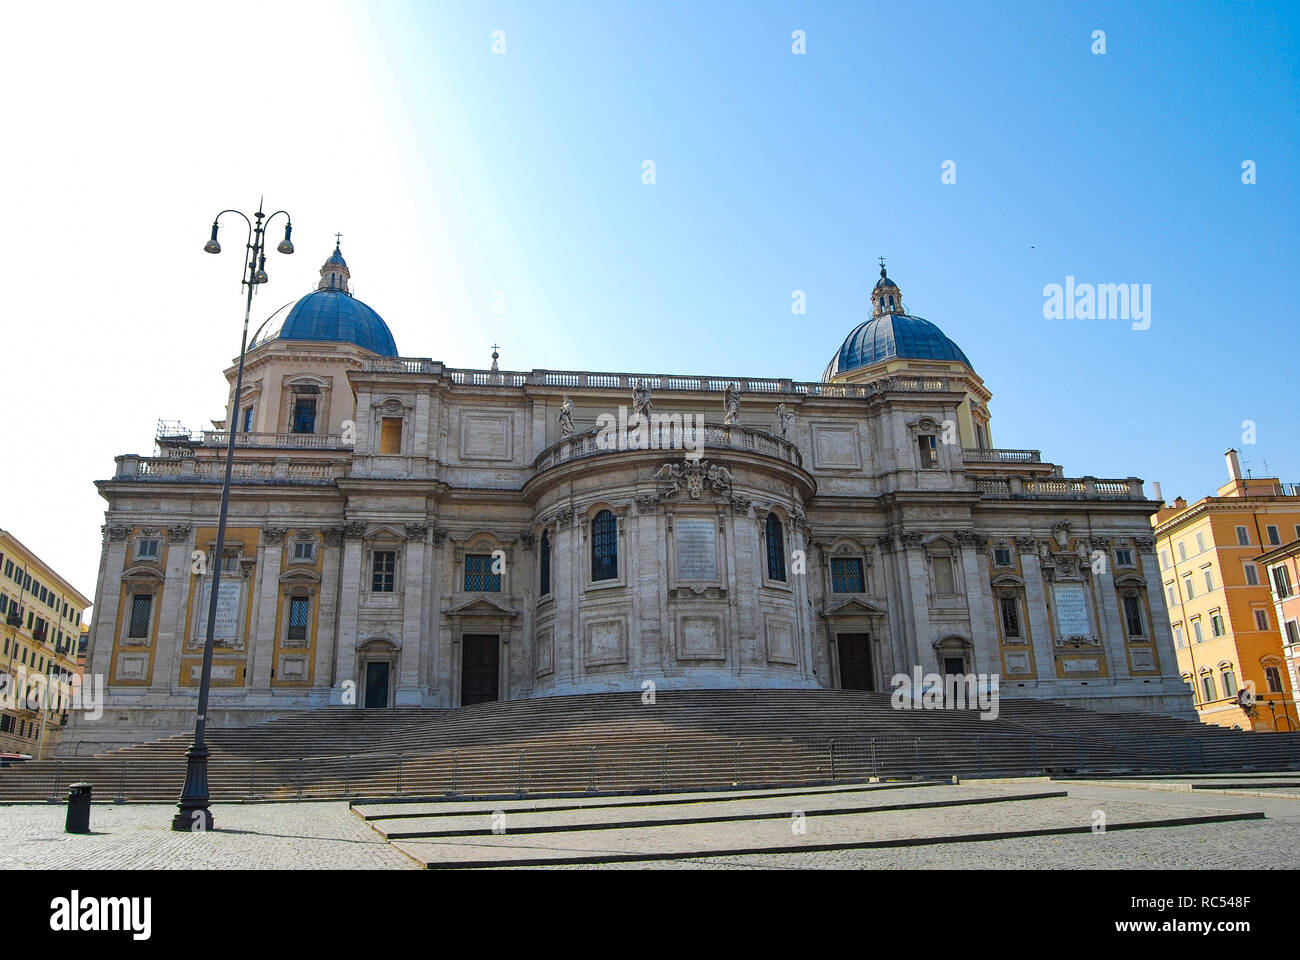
<point>327,835</point>
<point>288,836</point>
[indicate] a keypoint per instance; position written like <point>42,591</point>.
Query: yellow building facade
<point>42,622</point>
<point>1220,605</point>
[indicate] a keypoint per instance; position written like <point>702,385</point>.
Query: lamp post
<point>193,813</point>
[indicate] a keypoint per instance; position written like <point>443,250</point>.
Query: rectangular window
<point>943,576</point>
<point>1243,537</point>
<point>1133,617</point>
<point>304,551</point>
<point>1173,600</point>
<point>1281,582</point>
<point>1164,559</point>
<point>1124,558</point>
<point>141,614</point>
<point>1252,574</point>
<point>1180,640</point>
<point>1187,588</point>
<point>383,571</point>
<point>390,435</point>
<point>304,415</point>
<point>298,610</point>
<point>1196,631</point>
<point>1207,685</point>
<point>1274,538</point>
<point>1297,531</point>
<point>1216,624</point>
<point>1010,617</point>
<point>1182,550</point>
<point>1229,683</point>
<point>1209,581</point>
<point>1001,557</point>
<point>1274,678</point>
<point>1261,619</point>
<point>146,549</point>
<point>1200,543</point>
<point>929,451</point>
<point>478,574</point>
<point>846,575</point>
<point>248,420</point>
<point>1292,632</point>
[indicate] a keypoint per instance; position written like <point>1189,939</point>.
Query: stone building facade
<point>403,533</point>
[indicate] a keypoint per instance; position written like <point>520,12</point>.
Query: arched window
<point>775,549</point>
<point>545,587</point>
<point>604,547</point>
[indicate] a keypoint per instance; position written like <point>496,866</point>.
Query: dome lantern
<point>334,273</point>
<point>886,297</point>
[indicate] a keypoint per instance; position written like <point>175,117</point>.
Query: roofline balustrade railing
<point>585,379</point>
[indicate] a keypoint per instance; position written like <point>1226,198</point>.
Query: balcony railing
<point>981,455</point>
<point>714,438</point>
<point>580,379</point>
<point>1059,488</point>
<point>280,441</point>
<point>278,469</point>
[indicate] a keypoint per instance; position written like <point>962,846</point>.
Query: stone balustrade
<point>591,443</point>
<point>981,455</point>
<point>1059,488</point>
<point>283,441</point>
<point>580,379</point>
<point>191,469</point>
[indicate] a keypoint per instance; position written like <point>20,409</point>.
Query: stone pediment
<point>480,607</point>
<point>853,607</point>
<point>299,576</point>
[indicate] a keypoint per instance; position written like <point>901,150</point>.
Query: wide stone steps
<point>685,740</point>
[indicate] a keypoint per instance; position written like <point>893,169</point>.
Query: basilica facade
<point>403,533</point>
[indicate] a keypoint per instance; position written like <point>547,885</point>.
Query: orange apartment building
<point>1283,566</point>
<point>1222,610</point>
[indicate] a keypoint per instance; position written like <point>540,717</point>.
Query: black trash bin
<point>78,808</point>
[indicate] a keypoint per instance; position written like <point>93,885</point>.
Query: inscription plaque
<point>697,550</point>
<point>226,625</point>
<point>1072,610</point>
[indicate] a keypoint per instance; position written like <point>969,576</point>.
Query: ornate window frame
<point>846,548</point>
<point>622,559</point>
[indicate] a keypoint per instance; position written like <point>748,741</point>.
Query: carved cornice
<point>1145,544</point>
<point>439,536</point>
<point>1026,544</point>
<point>416,531</point>
<point>275,535</point>
<point>694,478</point>
<point>353,530</point>
<point>118,532</point>
<point>333,536</point>
<point>178,533</point>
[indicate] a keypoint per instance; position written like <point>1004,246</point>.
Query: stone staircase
<point>685,740</point>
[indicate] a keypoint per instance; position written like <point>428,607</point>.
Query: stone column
<point>980,605</point>
<point>262,627</point>
<point>918,607</point>
<point>1036,611</point>
<point>327,610</point>
<point>105,621</point>
<point>407,692</point>
<point>345,663</point>
<point>172,617</point>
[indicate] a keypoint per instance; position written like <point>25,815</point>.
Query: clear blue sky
<point>455,173</point>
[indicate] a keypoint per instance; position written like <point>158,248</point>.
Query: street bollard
<point>78,808</point>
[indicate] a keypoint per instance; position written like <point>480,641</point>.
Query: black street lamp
<point>193,812</point>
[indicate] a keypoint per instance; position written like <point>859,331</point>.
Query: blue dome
<point>334,316</point>
<point>889,337</point>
